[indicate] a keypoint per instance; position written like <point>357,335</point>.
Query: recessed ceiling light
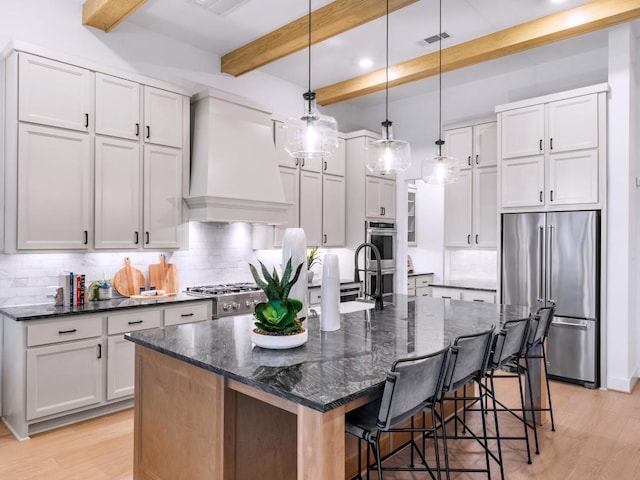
<point>365,63</point>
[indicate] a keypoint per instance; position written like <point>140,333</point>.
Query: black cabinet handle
<point>540,196</point>
<point>325,165</point>
<point>296,162</point>
<point>302,162</point>
<point>186,314</point>
<point>384,210</point>
<point>324,236</point>
<point>551,143</point>
<point>478,300</point>
<point>99,350</point>
<point>148,131</point>
<point>476,238</point>
<point>137,322</point>
<point>146,238</point>
<point>62,332</point>
<point>136,239</point>
<point>448,298</point>
<point>551,195</point>
<point>469,239</point>
<point>469,160</point>
<point>86,120</point>
<point>86,237</point>
<point>540,144</point>
<point>477,160</point>
<point>137,129</point>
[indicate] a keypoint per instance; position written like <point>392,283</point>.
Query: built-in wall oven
<point>383,236</point>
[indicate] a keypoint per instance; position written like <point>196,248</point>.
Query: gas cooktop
<point>224,288</point>
<point>231,298</point>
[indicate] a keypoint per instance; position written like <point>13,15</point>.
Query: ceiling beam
<point>106,14</point>
<point>587,18</point>
<point>333,19</point>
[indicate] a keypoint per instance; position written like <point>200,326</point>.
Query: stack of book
<point>73,288</point>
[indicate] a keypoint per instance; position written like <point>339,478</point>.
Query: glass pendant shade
<point>388,155</point>
<point>440,169</point>
<point>313,135</point>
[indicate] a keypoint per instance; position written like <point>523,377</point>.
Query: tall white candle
<point>294,247</point>
<point>330,300</point>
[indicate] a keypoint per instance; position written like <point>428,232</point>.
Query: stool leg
<point>495,419</point>
<point>546,377</point>
<point>531,408</point>
<point>524,416</point>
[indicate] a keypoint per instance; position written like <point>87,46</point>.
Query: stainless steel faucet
<point>377,296</point>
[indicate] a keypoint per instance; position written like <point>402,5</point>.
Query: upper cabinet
<point>54,93</point>
<point>471,201</point>
<point>553,151</point>
<point>92,160</point>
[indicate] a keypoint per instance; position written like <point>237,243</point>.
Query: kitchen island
<point>209,404</point>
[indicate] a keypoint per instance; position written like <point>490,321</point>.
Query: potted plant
<point>101,289</point>
<point>313,258</point>
<point>277,324</point>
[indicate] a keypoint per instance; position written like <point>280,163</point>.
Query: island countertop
<point>332,368</point>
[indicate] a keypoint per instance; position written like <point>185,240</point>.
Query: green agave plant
<point>278,314</point>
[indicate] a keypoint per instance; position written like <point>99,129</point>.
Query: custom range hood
<point>234,170</point>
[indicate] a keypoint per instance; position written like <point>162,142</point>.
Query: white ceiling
<point>336,59</point>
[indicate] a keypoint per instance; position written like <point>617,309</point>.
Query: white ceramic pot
<point>279,342</point>
<point>105,293</point>
<point>310,274</point>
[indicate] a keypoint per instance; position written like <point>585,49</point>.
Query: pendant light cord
<point>309,49</point>
<point>440,84</point>
<point>386,98</point>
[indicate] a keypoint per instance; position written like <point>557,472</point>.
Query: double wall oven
<point>383,236</point>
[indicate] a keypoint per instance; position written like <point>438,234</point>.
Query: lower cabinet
<point>419,285</point>
<point>468,295</point>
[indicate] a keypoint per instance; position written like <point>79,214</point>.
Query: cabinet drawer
<point>64,330</point>
<point>130,322</point>
<point>473,296</point>
<point>423,280</point>
<point>423,291</point>
<point>315,294</point>
<point>411,292</point>
<point>187,313</point>
<point>452,293</point>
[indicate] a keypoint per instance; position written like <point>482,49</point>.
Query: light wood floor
<point>597,437</point>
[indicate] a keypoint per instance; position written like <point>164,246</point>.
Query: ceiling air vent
<point>436,37</point>
<point>219,7</point>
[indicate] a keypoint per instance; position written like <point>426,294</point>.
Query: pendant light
<point>313,135</point>
<point>440,169</point>
<point>388,155</point>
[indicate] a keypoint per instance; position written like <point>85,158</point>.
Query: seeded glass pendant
<point>388,155</point>
<point>313,135</point>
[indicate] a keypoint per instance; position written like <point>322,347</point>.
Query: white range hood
<point>234,170</point>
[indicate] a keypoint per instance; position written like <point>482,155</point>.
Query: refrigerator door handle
<point>581,324</point>
<point>540,298</point>
<point>550,269</point>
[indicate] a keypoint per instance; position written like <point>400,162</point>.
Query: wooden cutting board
<point>128,280</point>
<point>164,276</point>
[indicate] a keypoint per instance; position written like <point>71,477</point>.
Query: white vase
<point>330,300</point>
<point>105,293</point>
<point>294,247</point>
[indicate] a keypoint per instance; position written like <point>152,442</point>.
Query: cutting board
<point>128,280</point>
<point>164,276</point>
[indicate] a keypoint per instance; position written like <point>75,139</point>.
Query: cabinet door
<point>333,211</point>
<point>388,196</point>
<point>458,143</point>
<point>373,194</point>
<point>54,93</point>
<point>457,211</point>
<point>450,293</point>
<point>117,107</point>
<point>54,200</point>
<point>573,123</point>
<point>162,196</point>
<point>291,183</point>
<point>485,144</point>
<point>522,182</point>
<point>120,367</point>
<point>485,207</point>
<point>573,177</point>
<point>63,377</point>
<point>523,132</point>
<point>336,164</point>
<point>163,120</point>
<point>478,296</point>
<point>311,206</point>
<point>117,193</point>
<point>280,141</point>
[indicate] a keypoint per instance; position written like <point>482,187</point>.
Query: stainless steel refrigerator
<point>553,258</point>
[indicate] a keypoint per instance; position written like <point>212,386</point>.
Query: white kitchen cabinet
<point>485,207</point>
<point>446,293</point>
<point>65,376</point>
<point>380,198</point>
<point>551,152</point>
<point>117,193</point>
<point>163,118</point>
<point>286,160</point>
<point>478,296</point>
<point>335,164</point>
<point>290,178</point>
<point>54,93</point>
<point>162,187</point>
<point>458,211</point>
<point>420,285</point>
<point>117,107</point>
<point>53,188</point>
<point>311,206</point>
<point>333,210</point>
<point>187,313</point>
<point>473,145</point>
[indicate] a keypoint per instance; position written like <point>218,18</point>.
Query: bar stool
<point>412,386</point>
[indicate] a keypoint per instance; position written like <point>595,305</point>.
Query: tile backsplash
<point>471,264</point>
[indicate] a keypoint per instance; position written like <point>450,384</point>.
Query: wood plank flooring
<point>597,437</point>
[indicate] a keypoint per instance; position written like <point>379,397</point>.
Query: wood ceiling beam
<point>333,19</point>
<point>106,14</point>
<point>587,18</point>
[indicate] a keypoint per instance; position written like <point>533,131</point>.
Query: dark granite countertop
<point>481,285</point>
<point>332,368</point>
<point>43,311</point>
